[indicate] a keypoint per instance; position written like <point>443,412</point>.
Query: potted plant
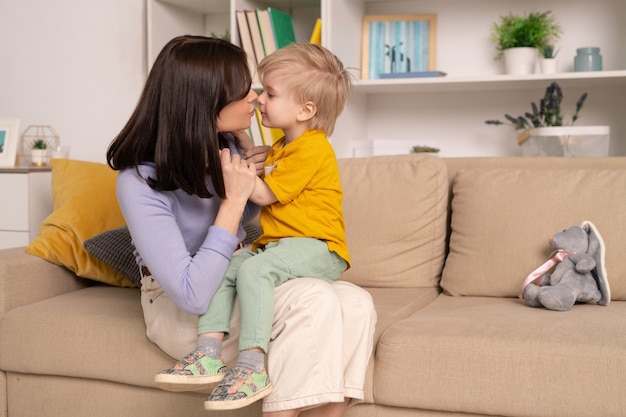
<point>544,131</point>
<point>531,32</point>
<point>39,152</point>
<point>548,62</point>
<point>424,149</point>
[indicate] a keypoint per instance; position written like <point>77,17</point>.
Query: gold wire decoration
<point>35,133</point>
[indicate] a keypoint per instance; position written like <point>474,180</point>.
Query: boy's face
<point>276,104</point>
<point>236,115</point>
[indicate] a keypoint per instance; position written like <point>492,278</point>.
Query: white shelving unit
<point>447,112</point>
<point>27,197</point>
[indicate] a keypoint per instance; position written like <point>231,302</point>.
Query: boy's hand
<point>249,151</point>
<point>256,155</point>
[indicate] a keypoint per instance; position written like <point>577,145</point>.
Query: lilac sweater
<point>175,238</point>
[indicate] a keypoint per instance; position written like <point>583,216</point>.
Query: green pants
<point>253,276</point>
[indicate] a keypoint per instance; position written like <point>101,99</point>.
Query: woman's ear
<point>308,110</point>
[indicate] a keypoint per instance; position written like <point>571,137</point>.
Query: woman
<point>183,188</point>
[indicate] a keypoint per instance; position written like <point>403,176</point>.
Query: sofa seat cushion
<point>393,305</point>
<point>502,219</point>
<point>496,356</point>
<point>96,333</point>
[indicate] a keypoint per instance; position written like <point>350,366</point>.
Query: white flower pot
<point>569,141</point>
<point>520,61</point>
<point>39,157</point>
<point>548,65</point>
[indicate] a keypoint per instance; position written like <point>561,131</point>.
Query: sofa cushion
<point>393,305</point>
<point>502,218</point>
<point>115,248</point>
<point>104,321</point>
<point>395,209</point>
<point>496,356</point>
<point>85,204</point>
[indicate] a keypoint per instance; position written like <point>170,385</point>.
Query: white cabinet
<point>26,201</point>
<point>448,112</point>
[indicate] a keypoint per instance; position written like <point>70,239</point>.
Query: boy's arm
<point>262,194</point>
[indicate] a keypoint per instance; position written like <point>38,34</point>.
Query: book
<point>255,35</point>
<point>246,43</point>
<point>316,34</point>
<point>255,132</point>
<point>267,33</point>
<point>417,74</point>
<point>282,25</point>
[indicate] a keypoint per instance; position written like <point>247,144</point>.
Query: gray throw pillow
<point>115,248</point>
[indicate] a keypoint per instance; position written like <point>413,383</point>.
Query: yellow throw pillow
<point>85,205</point>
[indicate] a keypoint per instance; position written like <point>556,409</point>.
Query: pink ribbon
<point>558,257</point>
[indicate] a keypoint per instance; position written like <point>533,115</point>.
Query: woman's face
<point>236,115</point>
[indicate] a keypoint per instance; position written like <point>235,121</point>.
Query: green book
<point>282,25</point>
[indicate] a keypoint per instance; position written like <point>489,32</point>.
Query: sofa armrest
<point>25,279</point>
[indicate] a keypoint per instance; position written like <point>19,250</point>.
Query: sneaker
<point>194,372</point>
<point>239,388</point>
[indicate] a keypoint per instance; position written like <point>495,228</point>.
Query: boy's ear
<point>308,110</point>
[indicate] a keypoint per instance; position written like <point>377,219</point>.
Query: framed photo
<point>8,141</point>
<point>397,45</point>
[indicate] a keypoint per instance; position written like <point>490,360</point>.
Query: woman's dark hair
<point>175,122</point>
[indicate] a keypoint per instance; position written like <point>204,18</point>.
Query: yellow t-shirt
<point>304,176</point>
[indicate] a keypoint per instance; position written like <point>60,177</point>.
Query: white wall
<point>78,65</point>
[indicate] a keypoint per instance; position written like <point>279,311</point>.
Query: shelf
<point>211,6</point>
<point>200,6</point>
<point>24,169</point>
<point>491,83</point>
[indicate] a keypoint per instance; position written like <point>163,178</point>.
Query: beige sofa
<point>441,244</point>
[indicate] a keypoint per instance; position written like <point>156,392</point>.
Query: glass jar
<point>588,59</point>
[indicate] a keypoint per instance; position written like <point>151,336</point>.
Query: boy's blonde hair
<point>312,73</point>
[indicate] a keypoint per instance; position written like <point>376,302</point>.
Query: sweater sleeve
<point>175,238</point>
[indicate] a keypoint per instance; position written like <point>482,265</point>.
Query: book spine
<point>267,33</point>
<point>255,35</point>
<point>255,132</point>
<point>282,25</point>
<point>246,43</point>
<point>316,34</point>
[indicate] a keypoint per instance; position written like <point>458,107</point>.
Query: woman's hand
<point>249,151</point>
<point>239,182</point>
<point>239,176</point>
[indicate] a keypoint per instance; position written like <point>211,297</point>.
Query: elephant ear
<point>597,251</point>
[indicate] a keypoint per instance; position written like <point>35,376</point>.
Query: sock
<point>251,360</point>
<point>210,346</point>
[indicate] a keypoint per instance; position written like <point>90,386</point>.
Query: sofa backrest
<point>504,209</point>
<point>395,208</point>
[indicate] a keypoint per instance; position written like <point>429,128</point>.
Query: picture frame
<point>8,141</point>
<point>398,45</point>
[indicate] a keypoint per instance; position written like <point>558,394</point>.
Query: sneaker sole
<point>232,405</point>
<point>179,383</point>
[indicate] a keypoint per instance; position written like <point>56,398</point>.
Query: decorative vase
<point>548,65</point>
<point>568,141</point>
<point>588,59</point>
<point>520,61</point>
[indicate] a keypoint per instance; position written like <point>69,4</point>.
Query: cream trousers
<point>320,343</point>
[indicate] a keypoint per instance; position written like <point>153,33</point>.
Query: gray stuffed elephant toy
<point>579,276</point>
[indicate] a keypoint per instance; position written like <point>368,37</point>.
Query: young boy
<point>305,88</point>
